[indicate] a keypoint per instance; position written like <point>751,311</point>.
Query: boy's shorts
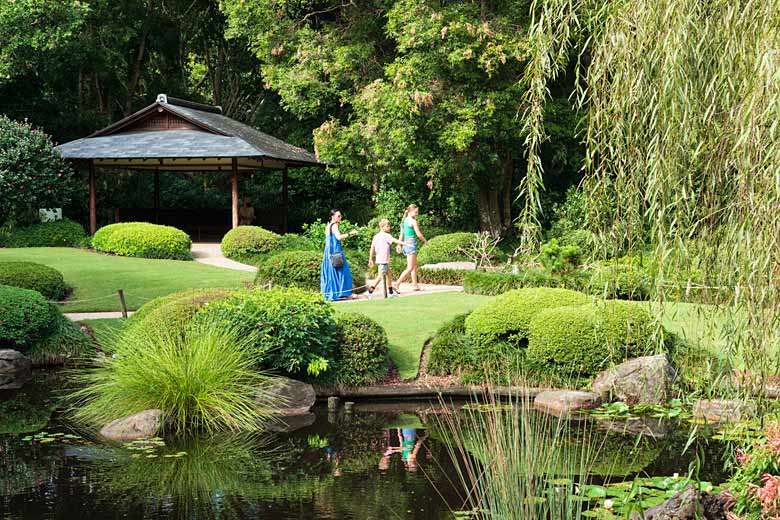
<point>383,268</point>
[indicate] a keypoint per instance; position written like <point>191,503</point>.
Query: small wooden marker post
<point>122,304</point>
<point>333,403</point>
<point>348,406</point>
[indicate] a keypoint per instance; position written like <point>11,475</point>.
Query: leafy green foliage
<point>755,484</point>
<point>315,233</point>
<point>245,242</point>
<point>508,316</point>
<point>451,247</point>
<point>175,310</point>
<point>38,277</point>
<point>362,350</point>
<point>60,233</point>
<point>291,269</point>
<point>66,344</point>
<point>623,278</point>
<point>559,258</point>
<point>290,327</point>
<point>493,283</point>
<point>25,316</point>
<point>32,174</point>
<point>450,350</point>
<point>142,239</point>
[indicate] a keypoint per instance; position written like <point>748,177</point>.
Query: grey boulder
<point>13,361</point>
<point>723,410</point>
<point>566,403</point>
<point>643,380</point>
<point>291,397</point>
<point>143,425</point>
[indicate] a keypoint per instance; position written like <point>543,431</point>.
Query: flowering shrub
<point>755,487</point>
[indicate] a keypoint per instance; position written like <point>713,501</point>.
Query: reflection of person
<point>381,246</point>
<point>246,213</point>
<point>409,448</point>
<point>410,231</point>
<point>335,280</point>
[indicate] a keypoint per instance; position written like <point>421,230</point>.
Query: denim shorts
<point>411,246</point>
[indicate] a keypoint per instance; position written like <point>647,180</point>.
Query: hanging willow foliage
<point>682,107</point>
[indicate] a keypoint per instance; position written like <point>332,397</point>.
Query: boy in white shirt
<point>380,246</point>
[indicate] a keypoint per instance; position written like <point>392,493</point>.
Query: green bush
<point>292,328</point>
<point>508,316</point>
<point>450,350</point>
<point>175,310</point>
<point>37,277</point>
<point>246,242</point>
<point>558,258</point>
<point>624,279</point>
<point>291,269</point>
<point>60,233</point>
<point>25,316</point>
<point>446,248</point>
<point>143,240</point>
<point>66,344</point>
<point>362,350</point>
<point>582,340</point>
<point>494,283</point>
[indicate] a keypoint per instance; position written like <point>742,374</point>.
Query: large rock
<point>291,396</point>
<point>688,504</point>
<point>15,380</point>
<point>644,380</point>
<point>143,425</point>
<point>645,426</point>
<point>12,362</point>
<point>723,410</point>
<point>566,403</point>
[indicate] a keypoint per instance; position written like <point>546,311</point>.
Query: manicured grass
<point>411,321</point>
<point>94,275</point>
<point>106,329</point>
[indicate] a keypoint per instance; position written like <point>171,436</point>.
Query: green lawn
<point>411,321</point>
<point>94,275</point>
<point>105,329</point>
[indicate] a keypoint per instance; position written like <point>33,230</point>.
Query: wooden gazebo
<point>175,134</point>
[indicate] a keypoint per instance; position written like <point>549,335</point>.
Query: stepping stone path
<point>566,403</point>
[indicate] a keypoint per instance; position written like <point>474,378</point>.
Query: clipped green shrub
<point>508,316</point>
<point>582,340</point>
<point>245,242</point>
<point>25,316</point>
<point>446,248</point>
<point>624,279</point>
<point>362,350</point>
<point>144,240</point>
<point>66,344</point>
<point>450,349</point>
<point>291,269</point>
<point>37,277</point>
<point>293,329</point>
<point>494,283</point>
<point>60,233</point>
<point>175,310</point>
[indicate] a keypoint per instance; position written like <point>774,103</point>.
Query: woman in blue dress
<point>335,276</point>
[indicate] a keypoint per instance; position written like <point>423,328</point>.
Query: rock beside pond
<point>290,423</point>
<point>566,403</point>
<point>646,426</point>
<point>689,504</point>
<point>723,410</point>
<point>15,380</point>
<point>643,380</point>
<point>12,361</point>
<point>293,397</point>
<point>143,425</point>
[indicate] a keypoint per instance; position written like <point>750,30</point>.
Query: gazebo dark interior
<point>178,135</point>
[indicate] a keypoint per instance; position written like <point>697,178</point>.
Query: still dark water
<point>384,461</point>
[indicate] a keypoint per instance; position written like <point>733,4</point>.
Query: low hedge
<point>362,357</point>
<point>450,349</point>
<point>623,280</point>
<point>142,239</point>
<point>177,309</point>
<point>28,275</point>
<point>60,233</point>
<point>582,340</point>
<point>494,283</point>
<point>25,316</point>
<point>245,242</point>
<point>446,248</point>
<point>291,269</point>
<point>508,316</point>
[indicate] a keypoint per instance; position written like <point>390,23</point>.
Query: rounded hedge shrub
<point>177,309</point>
<point>450,349</point>
<point>508,315</point>
<point>38,277</point>
<point>624,280</point>
<point>60,233</point>
<point>246,241</point>
<point>67,343</point>
<point>144,240</point>
<point>25,316</point>
<point>446,248</point>
<point>583,340</point>
<point>291,269</point>
<point>362,350</point>
<point>293,329</point>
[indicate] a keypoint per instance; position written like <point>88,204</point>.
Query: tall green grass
<point>203,377</point>
<point>515,463</point>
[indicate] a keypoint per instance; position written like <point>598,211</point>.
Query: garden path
<point>211,254</point>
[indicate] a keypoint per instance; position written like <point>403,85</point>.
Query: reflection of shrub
<point>247,241</point>
<point>450,349</point>
<point>25,316</point>
<point>446,248</point>
<point>362,350</point>
<point>291,269</point>
<point>291,327</point>
<point>143,240</point>
<point>67,343</point>
<point>202,379</point>
<point>37,277</point>
<point>508,316</point>
<point>61,233</point>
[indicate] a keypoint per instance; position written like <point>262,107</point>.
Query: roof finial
<point>162,98</point>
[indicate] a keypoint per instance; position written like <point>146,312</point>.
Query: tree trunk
<point>494,206</point>
<point>136,73</point>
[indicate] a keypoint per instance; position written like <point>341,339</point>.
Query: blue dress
<point>334,283</point>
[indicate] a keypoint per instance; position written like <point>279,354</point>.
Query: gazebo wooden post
<point>156,196</point>
<point>234,191</point>
<point>285,200</point>
<point>92,203</point>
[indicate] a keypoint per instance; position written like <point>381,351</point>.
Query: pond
<point>384,460</point>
